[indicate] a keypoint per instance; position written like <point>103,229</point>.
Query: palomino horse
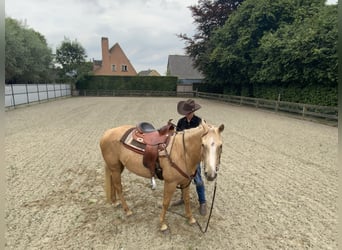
<point>188,148</point>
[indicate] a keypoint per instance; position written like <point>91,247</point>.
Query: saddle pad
<point>128,140</point>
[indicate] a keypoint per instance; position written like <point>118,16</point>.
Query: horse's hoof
<point>166,232</point>
<point>163,228</point>
<point>192,221</point>
<point>116,203</point>
<point>129,213</point>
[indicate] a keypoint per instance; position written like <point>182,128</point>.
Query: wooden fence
<point>305,110</point>
<point>323,113</point>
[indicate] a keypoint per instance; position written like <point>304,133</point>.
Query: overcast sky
<point>145,29</point>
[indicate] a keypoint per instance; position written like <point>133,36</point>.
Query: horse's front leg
<point>186,199</point>
<point>169,189</point>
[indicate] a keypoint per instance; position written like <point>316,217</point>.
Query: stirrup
<point>153,183</point>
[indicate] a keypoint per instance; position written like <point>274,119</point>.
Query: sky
<point>331,1</point>
<point>145,29</point>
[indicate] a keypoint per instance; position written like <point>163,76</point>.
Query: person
<point>190,120</point>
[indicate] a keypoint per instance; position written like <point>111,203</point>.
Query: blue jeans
<point>199,185</point>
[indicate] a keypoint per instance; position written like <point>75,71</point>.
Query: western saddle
<point>154,140</point>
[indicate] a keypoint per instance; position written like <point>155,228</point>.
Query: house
<point>182,66</point>
<point>114,61</point>
<point>149,72</point>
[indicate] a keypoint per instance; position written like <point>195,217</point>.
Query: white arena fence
<point>18,94</point>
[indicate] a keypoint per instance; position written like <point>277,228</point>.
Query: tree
<point>302,52</point>
<point>237,40</point>
<point>71,56</point>
<point>279,42</point>
<point>208,16</point>
<point>28,57</point>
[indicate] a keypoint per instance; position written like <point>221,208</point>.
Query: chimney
<point>105,52</point>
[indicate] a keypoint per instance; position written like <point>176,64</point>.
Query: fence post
<point>27,94</point>
<point>13,98</point>
<point>38,93</point>
<point>277,103</point>
<point>304,110</point>
<point>47,91</point>
<point>54,90</point>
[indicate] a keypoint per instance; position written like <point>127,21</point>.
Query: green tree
<point>235,43</point>
<point>28,57</point>
<point>278,42</point>
<point>208,16</point>
<point>72,58</point>
<point>303,52</point>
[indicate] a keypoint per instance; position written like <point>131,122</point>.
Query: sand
<point>277,186</point>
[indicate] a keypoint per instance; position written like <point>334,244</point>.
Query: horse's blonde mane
<point>191,130</point>
<point>189,133</point>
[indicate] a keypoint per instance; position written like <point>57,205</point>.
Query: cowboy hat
<point>187,107</point>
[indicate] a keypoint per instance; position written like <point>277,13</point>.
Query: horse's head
<point>211,151</point>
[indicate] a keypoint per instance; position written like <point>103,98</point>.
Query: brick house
<point>114,61</point>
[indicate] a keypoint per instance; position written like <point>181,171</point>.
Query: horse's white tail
<point>108,184</point>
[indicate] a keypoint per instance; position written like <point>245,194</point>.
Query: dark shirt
<point>184,124</point>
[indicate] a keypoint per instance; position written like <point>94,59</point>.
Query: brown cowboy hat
<point>187,107</point>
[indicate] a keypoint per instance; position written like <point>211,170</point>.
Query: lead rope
<point>211,209</point>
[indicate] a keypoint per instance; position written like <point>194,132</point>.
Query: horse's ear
<point>221,128</point>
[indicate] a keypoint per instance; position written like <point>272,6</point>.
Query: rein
<point>211,210</point>
<point>209,217</point>
<point>174,165</point>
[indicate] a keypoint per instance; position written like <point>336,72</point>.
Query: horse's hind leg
<point>117,187</point>
<point>109,188</point>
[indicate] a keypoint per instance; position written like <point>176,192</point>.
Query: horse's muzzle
<point>210,177</point>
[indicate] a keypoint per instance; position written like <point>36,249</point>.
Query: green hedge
<point>314,94</point>
<point>157,83</point>
<point>311,94</point>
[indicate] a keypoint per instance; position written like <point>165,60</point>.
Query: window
<point>113,67</point>
<point>124,68</point>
